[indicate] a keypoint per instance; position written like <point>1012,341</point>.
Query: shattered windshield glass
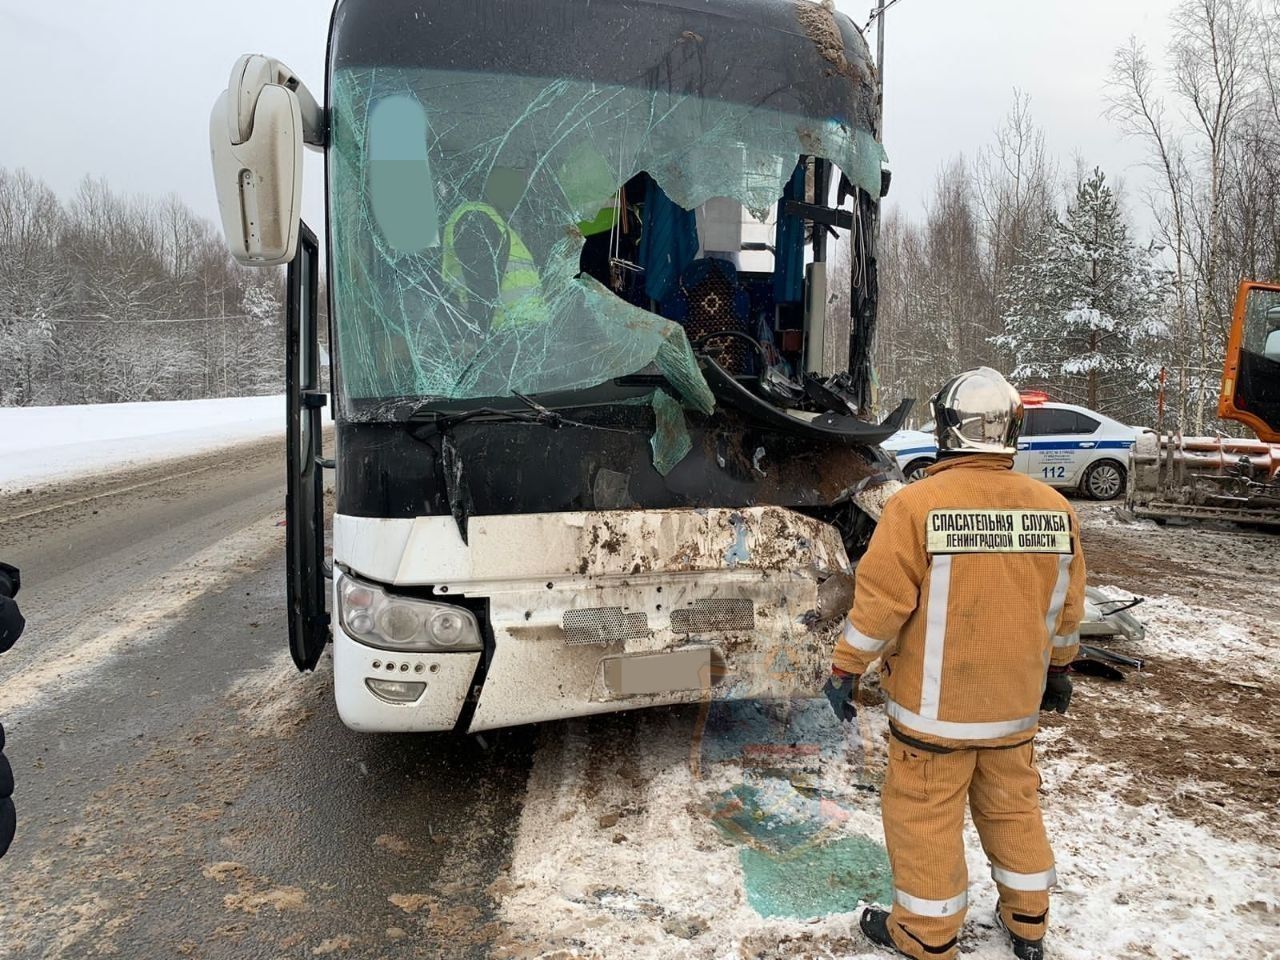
<point>457,257</point>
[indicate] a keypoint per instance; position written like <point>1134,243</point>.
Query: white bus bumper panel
<point>605,611</point>
<point>447,678</point>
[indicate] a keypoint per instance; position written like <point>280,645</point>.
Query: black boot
<point>875,926</point>
<point>1022,949</point>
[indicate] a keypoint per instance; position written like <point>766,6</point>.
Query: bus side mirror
<point>257,167</point>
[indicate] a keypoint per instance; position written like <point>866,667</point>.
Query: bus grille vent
<point>711,615</point>
<point>603,625</point>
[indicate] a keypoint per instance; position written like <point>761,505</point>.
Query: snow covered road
<point>183,792</point>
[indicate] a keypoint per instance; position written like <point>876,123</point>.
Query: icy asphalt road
<point>181,790</point>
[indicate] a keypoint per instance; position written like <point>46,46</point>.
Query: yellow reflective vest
<point>973,583</point>
<point>520,300</point>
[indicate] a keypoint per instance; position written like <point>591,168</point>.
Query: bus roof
<point>790,55</point>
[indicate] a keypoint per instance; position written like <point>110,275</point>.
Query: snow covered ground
<point>42,444</point>
<point>752,832</point>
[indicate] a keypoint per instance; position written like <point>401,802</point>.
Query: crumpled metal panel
<point>1106,616</point>
<point>567,591</point>
<point>660,542</point>
<point>388,473</point>
<point>536,674</point>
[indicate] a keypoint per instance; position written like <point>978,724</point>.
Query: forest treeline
<point>1033,263</point>
<point>106,297</point>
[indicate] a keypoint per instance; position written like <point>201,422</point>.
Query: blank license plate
<point>650,673</point>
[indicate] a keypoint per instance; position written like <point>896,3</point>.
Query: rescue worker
<point>972,591</point>
<point>11,624</point>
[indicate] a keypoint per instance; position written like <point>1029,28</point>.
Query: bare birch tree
<point>1194,126</point>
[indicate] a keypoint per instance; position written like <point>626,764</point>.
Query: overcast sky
<point>951,67</point>
<point>122,90</point>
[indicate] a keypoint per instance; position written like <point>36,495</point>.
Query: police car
<point>1064,445</point>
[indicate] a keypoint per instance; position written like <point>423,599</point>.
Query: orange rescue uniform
<point>972,585</point>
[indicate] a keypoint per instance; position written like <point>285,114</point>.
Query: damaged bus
<point>602,424</point>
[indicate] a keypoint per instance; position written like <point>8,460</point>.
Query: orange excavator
<point>1208,478</point>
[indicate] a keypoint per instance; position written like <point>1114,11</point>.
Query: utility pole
<point>877,16</point>
<point>868,393</point>
<point>880,63</point>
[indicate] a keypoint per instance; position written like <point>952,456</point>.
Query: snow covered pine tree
<point>1083,316</point>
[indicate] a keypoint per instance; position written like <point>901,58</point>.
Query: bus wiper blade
<point>536,414</point>
<point>444,421</point>
<point>536,406</point>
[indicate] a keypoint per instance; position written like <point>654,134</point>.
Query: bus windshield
<point>488,231</point>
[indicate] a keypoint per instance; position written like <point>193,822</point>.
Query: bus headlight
<point>448,628</point>
<point>390,622</point>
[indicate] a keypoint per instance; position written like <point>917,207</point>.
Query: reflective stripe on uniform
<point>1059,595</point>
<point>860,641</point>
<point>935,634</point>
<point>1068,641</point>
<point>1029,882</point>
<point>981,730</point>
<point>932,908</point>
<point>520,286</point>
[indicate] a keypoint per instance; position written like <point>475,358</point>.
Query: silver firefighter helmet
<point>978,412</point>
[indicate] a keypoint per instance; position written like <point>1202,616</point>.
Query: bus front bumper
<point>599,612</point>
<point>371,687</point>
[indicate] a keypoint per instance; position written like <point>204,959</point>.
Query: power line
<point>878,12</point>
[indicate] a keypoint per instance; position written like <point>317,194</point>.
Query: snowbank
<point>41,444</point>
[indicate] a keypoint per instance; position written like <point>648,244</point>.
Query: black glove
<point>10,580</point>
<point>1057,690</point>
<point>8,824</point>
<point>839,692</point>
<point>8,819</point>
<point>11,623</point>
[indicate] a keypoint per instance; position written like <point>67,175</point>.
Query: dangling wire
<point>858,251</point>
<point>878,12</point>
